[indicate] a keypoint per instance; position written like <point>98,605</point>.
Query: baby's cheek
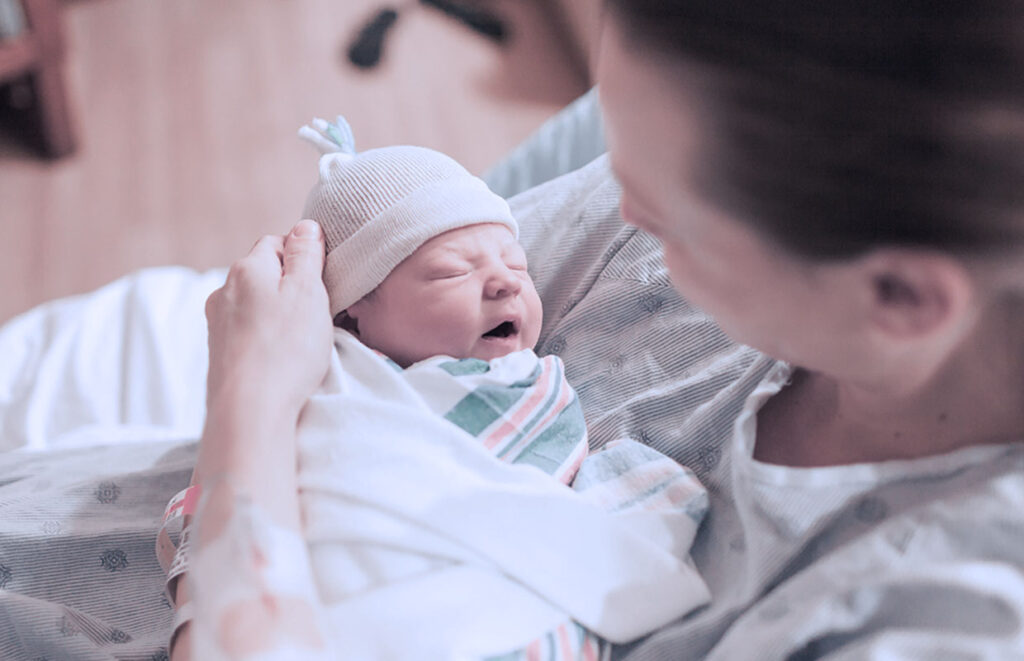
<point>537,310</point>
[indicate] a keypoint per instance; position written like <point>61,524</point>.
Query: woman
<point>840,188</point>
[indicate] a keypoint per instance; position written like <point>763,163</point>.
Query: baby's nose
<point>503,283</point>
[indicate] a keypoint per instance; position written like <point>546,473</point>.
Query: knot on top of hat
<point>330,138</point>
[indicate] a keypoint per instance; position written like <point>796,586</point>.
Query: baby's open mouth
<point>504,329</point>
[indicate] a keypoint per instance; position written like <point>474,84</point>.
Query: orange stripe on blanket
<point>511,421</point>
<point>533,651</point>
<point>563,640</point>
<point>564,395</point>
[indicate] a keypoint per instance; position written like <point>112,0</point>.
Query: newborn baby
<point>424,266</point>
<point>422,258</point>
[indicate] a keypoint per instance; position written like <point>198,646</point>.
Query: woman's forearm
<point>249,442</point>
<point>251,580</point>
<point>251,445</point>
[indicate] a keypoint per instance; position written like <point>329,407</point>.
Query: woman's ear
<point>917,293</point>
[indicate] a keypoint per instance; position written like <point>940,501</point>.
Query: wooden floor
<point>186,113</point>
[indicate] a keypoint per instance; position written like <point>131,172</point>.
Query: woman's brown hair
<point>835,128</point>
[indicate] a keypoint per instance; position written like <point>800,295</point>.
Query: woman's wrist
<point>239,434</point>
<point>249,435</point>
<point>254,394</point>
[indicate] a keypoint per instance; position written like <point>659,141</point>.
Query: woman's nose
<point>502,283</point>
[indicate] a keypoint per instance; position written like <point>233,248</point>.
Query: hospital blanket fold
<point>125,363</point>
<point>487,555</point>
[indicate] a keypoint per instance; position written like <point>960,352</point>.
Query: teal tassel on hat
<point>330,138</point>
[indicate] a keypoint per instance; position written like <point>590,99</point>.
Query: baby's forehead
<point>471,239</point>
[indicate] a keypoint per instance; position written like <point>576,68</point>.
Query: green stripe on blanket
<point>465,366</point>
<point>477,410</point>
<point>551,447</point>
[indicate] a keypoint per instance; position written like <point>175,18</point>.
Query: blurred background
<point>137,133</point>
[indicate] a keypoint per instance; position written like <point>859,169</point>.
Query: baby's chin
<point>488,352</point>
<point>489,348</point>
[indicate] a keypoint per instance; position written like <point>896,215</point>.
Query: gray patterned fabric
<point>12,19</point>
<point>78,575</point>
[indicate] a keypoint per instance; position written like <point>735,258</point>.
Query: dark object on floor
<point>32,95</point>
<point>365,51</point>
<point>481,20</point>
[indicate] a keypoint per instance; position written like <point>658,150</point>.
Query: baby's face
<point>464,293</point>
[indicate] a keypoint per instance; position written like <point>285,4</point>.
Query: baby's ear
<point>349,317</point>
<point>345,321</point>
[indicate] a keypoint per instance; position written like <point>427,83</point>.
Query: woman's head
<point>853,167</point>
<point>838,128</point>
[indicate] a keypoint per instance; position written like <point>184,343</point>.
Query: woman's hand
<point>270,343</point>
<point>270,326</point>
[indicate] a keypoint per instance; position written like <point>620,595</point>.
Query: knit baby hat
<point>378,206</point>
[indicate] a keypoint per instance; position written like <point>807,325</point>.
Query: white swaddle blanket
<point>471,554</point>
<point>424,545</point>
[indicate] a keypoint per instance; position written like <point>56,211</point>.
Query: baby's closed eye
<point>446,271</point>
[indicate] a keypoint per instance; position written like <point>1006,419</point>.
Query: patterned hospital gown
<point>535,421</point>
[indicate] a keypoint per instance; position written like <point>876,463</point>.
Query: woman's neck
<point>976,397</point>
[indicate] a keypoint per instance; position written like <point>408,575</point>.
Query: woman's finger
<point>212,301</point>
<point>270,243</point>
<point>262,266</point>
<point>304,253</point>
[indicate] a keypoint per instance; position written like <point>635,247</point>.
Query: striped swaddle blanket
<point>519,407</point>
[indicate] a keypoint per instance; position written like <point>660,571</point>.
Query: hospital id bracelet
<point>173,556</point>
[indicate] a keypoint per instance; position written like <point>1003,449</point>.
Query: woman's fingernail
<point>306,227</point>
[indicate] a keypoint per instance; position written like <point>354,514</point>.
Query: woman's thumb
<point>304,251</point>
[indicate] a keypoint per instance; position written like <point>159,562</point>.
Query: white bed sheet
<point>124,363</point>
